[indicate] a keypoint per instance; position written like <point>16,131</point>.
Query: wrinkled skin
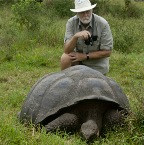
<point>88,117</point>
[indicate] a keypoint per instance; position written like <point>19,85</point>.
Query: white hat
<point>82,5</point>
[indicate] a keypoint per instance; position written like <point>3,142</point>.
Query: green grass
<point>25,57</point>
<point>17,78</point>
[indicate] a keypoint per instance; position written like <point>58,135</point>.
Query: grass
<point>17,78</point>
<point>30,56</point>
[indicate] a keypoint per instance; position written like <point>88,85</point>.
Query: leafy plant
<point>8,1</point>
<point>123,9</point>
<point>102,6</point>
<point>26,14</point>
<point>126,34</point>
<point>62,7</point>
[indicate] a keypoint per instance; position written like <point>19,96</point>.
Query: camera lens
<point>94,38</point>
<point>90,40</point>
<point>87,41</point>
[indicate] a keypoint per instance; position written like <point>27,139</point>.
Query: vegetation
<point>31,44</point>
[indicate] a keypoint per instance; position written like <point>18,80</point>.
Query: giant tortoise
<point>78,98</point>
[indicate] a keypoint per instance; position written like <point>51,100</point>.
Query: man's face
<point>85,17</point>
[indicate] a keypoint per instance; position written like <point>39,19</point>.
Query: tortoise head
<point>89,130</point>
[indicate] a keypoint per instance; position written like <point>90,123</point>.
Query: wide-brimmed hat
<point>82,5</point>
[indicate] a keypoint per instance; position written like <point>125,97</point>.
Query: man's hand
<point>83,35</point>
<point>76,56</point>
<point>71,44</point>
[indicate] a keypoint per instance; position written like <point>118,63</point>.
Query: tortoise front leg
<point>66,121</point>
<point>113,117</point>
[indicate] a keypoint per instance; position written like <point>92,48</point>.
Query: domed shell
<point>57,91</point>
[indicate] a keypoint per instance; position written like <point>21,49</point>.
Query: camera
<point>90,40</point>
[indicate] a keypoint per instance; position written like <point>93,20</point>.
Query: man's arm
<point>71,44</point>
<point>99,54</point>
<point>92,55</point>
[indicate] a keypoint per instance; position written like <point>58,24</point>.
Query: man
<point>88,39</point>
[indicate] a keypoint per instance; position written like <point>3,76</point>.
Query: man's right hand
<point>83,35</point>
<point>76,56</point>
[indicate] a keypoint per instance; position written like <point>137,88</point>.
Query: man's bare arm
<point>70,44</point>
<point>92,55</point>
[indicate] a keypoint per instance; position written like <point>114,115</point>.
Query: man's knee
<point>65,61</point>
<point>65,58</point>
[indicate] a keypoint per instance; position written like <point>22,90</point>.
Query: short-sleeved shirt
<point>99,28</point>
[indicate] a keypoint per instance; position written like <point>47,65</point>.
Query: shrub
<point>133,11</point>
<point>61,7</point>
<point>8,1</point>
<point>127,35</point>
<point>123,9</point>
<point>26,14</point>
<point>102,6</point>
